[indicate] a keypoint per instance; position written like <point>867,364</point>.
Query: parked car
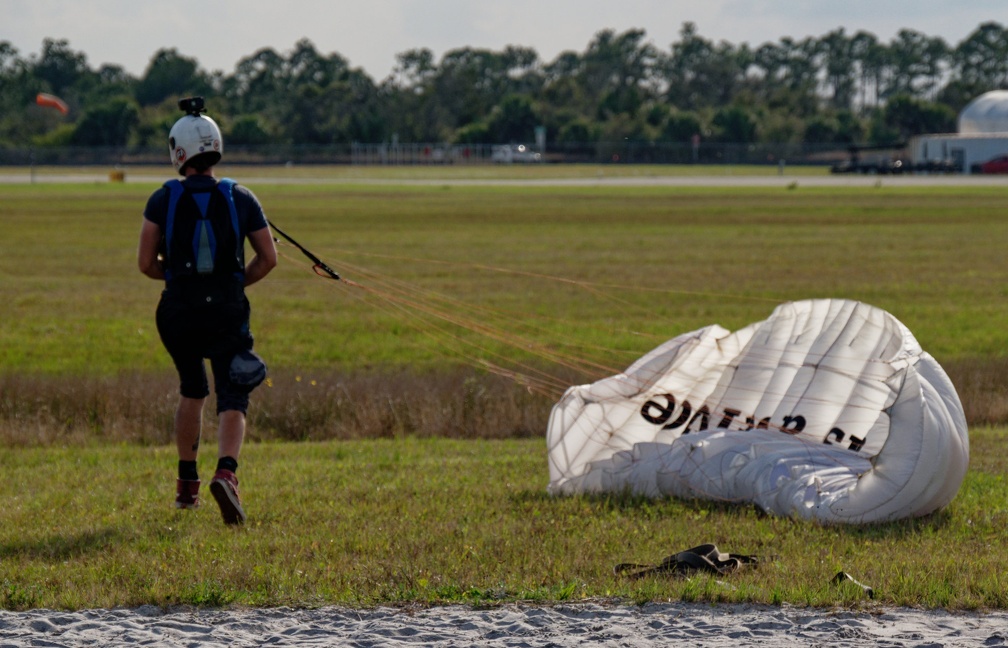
<point>513,154</point>
<point>998,164</point>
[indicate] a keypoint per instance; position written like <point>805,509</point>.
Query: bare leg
<point>230,434</point>
<point>188,425</point>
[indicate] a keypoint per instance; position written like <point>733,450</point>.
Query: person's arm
<point>147,251</point>
<point>265,258</point>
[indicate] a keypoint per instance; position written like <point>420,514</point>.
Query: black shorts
<point>193,328</point>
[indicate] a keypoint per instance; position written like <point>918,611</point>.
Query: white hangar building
<point>983,135</point>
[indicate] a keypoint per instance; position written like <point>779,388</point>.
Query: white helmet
<point>193,135</point>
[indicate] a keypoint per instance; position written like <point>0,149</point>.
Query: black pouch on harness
<point>247,370</point>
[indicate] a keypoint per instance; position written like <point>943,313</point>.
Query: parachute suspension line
<point>475,318</point>
<point>576,354</point>
<point>601,291</point>
<point>432,325</point>
<point>429,312</point>
<point>587,285</point>
<point>434,313</point>
<point>527,376</point>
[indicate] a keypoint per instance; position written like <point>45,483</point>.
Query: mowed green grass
<point>617,269</point>
<point>448,275</point>
<point>439,521</point>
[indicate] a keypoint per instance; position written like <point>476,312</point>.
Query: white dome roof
<point>988,113</point>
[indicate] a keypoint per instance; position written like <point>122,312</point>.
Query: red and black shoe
<point>224,488</point>
<point>187,493</point>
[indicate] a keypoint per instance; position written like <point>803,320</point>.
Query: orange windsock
<point>52,101</point>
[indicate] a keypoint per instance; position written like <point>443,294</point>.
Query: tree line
<point>838,88</point>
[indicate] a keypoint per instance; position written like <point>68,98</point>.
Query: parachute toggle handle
<point>320,267</point>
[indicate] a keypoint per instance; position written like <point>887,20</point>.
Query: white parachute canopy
<point>827,410</point>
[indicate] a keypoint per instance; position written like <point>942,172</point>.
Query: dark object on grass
<point>705,557</point>
<point>844,576</point>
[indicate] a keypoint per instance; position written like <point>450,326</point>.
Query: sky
<point>370,33</point>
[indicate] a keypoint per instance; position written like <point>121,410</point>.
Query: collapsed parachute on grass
<point>827,410</point>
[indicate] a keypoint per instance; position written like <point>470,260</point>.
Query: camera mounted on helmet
<point>195,139</point>
<point>192,105</point>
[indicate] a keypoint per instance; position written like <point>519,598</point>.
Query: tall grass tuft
<point>327,404</point>
<point>460,404</point>
<point>982,384</point>
<point>292,406</point>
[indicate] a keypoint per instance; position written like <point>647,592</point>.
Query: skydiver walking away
<point>193,237</point>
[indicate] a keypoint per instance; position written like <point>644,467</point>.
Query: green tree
<point>415,112</point>
<point>830,89</point>
<point>733,124</point>
<point>819,130</point>
<point>248,130</point>
<point>466,86</point>
<point>307,67</point>
<point>802,71</point>
<point>905,116</point>
<point>474,133</point>
<point>769,61</point>
<point>936,60</point>
<point>849,128</point>
<point>681,126</point>
<point>982,58</point>
<point>19,123</point>
<point>258,84</point>
<point>699,74</point>
<point>414,68</point>
<point>957,93</point>
<point>514,119</point>
<point>577,132</point>
<point>170,76</point>
<point>108,124</point>
<point>363,116</point>
<point>9,59</point>
<point>614,71</point>
<point>775,84</point>
<point>870,59</point>
<point>59,67</point>
<point>918,63</point>
<point>836,53</point>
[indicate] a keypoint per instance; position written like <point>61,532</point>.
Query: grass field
<point>419,475</point>
<point>431,521</point>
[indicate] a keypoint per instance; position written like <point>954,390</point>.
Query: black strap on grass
<point>844,577</point>
<point>704,558</point>
<point>320,267</point>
